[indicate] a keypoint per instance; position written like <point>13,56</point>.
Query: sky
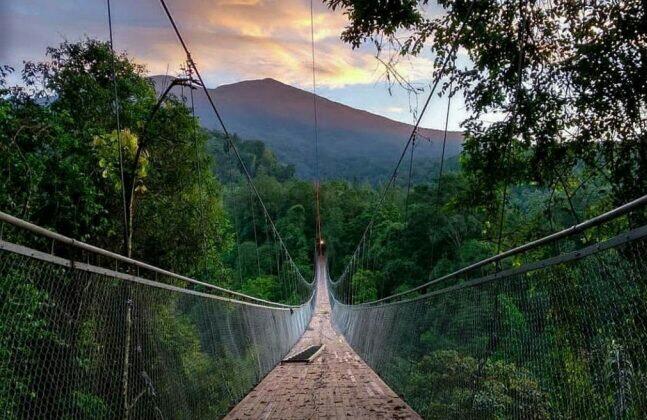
<point>231,41</point>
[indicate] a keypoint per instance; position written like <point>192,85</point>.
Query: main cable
<point>394,175</point>
<point>126,230</point>
<point>232,145</point>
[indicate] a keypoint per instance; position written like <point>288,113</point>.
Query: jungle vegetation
<point>571,145</point>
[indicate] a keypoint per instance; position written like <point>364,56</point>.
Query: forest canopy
<point>567,78</point>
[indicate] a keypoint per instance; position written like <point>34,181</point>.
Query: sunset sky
<point>231,40</point>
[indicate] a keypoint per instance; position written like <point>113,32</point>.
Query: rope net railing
<point>94,334</point>
<point>557,330</point>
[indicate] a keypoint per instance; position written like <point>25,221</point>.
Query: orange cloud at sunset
<point>265,38</point>
<point>231,40</point>
<point>262,38</point>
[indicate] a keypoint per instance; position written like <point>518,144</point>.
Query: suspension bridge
<point>366,366</point>
<point>481,340</point>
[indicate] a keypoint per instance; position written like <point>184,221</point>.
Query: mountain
<point>353,144</point>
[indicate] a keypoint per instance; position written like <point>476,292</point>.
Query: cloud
<point>229,39</point>
<point>263,38</point>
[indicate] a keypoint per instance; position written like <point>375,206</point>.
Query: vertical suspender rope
<point>440,171</point>
<point>126,232</point>
<point>406,200</point>
<point>253,211</point>
<point>203,196</point>
<point>236,232</point>
<point>442,154</point>
<point>126,227</point>
<point>507,152</point>
<point>316,129</point>
<point>504,200</point>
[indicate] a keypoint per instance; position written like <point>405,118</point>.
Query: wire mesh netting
<point>564,337</point>
<point>82,340</point>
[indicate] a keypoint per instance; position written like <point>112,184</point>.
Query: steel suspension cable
<point>212,104</point>
<point>316,129</point>
<point>436,81</point>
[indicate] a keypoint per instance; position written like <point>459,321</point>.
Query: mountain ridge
<point>282,116</point>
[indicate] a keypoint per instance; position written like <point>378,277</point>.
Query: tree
<point>566,77</point>
<point>365,283</point>
<point>60,169</point>
<point>456,389</point>
<point>107,146</point>
<point>72,137</point>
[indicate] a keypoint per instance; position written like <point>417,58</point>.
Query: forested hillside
<point>353,144</point>
<point>554,97</point>
<point>430,231</point>
<point>191,212</point>
<point>60,166</point>
<point>61,173</point>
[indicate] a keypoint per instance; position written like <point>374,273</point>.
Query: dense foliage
<point>60,160</point>
<point>565,85</point>
<point>570,144</point>
<point>566,80</point>
<point>60,168</point>
<point>448,363</point>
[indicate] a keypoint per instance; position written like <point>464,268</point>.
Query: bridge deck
<point>337,384</point>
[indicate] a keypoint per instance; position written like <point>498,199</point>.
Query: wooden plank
<point>336,383</point>
<point>297,358</point>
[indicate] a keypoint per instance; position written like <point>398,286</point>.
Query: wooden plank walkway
<point>337,384</point>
